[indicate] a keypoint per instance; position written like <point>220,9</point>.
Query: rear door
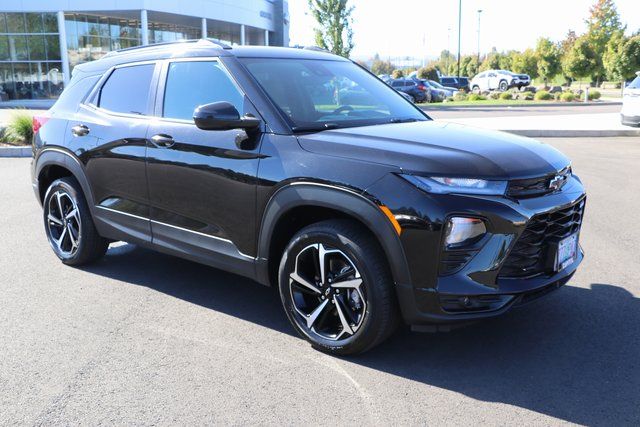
<point>202,184</point>
<point>115,121</point>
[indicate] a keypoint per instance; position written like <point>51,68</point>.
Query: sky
<point>423,28</point>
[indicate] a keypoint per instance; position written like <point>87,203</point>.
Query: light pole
<point>479,12</point>
<point>459,32</point>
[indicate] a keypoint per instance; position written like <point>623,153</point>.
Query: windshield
<point>635,84</point>
<point>436,84</point>
<point>318,94</point>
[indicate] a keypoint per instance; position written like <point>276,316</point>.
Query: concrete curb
<point>582,133</point>
<point>443,105</point>
<point>15,151</point>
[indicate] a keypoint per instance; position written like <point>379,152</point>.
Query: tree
<point>603,23</point>
<point>334,31</point>
<point>548,56</point>
<point>581,60</point>
<point>397,74</point>
<point>526,63</point>
<point>428,73</point>
<point>378,66</point>
<point>622,58</point>
<point>491,61</point>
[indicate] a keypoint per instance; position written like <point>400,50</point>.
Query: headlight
<point>443,185</point>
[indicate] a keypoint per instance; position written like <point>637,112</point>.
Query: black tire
<point>503,86</point>
<point>476,89</point>
<point>378,315</point>
<point>413,99</point>
<point>89,246</point>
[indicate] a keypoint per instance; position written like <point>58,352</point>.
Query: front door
<point>202,184</point>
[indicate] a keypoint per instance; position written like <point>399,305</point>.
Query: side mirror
<point>222,116</point>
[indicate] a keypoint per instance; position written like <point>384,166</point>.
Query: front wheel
<point>336,288</point>
<point>69,226</point>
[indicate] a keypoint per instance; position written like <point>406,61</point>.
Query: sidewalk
<point>562,126</point>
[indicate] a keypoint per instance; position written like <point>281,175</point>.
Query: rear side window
<point>127,90</point>
<point>191,84</point>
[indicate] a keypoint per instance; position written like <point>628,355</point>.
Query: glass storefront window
<point>15,23</point>
<point>34,23</point>
<point>37,51</point>
<point>30,65</point>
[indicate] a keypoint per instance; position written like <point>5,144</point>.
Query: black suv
<point>416,90</point>
<point>461,83</point>
<point>248,160</point>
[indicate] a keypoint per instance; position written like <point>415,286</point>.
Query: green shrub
<point>506,96</point>
<point>449,99</point>
<point>543,95</point>
<point>494,95</point>
<point>477,97</point>
<point>460,96</point>
<point>567,97</point>
<point>594,94</point>
<point>526,96</point>
<point>557,96</point>
<point>19,131</point>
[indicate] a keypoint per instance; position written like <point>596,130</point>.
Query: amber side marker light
<point>392,219</point>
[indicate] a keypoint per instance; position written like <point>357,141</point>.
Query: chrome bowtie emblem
<point>556,182</point>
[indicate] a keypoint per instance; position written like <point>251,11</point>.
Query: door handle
<point>162,140</point>
<point>80,130</point>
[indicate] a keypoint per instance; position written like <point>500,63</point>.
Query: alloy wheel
<point>327,293</point>
<point>63,223</point>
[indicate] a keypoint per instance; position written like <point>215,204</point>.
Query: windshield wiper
<point>405,120</point>
<point>315,128</point>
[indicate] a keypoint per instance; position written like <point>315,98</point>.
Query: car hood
<point>440,148</point>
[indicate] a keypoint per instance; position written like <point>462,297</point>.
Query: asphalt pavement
<point>143,338</point>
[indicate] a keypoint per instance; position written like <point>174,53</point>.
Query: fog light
<point>460,231</point>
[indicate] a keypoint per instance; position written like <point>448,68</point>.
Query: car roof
<point>202,48</point>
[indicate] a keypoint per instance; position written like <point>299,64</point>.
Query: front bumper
<point>477,290</point>
<point>630,120</point>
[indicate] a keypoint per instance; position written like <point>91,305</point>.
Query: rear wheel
<point>503,86</point>
<point>475,89</point>
<point>336,288</point>
<point>68,224</point>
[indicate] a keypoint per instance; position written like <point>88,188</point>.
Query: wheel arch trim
<point>57,156</point>
<point>347,201</point>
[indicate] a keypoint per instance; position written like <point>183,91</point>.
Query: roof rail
<point>314,48</point>
<point>213,42</point>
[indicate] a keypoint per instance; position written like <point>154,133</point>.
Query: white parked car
<point>631,103</point>
<point>501,80</point>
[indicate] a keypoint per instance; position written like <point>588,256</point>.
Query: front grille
<point>539,186</point>
<point>530,255</point>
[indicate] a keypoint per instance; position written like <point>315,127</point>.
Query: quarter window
<point>127,90</point>
<point>194,83</point>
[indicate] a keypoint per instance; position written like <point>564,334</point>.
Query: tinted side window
<point>127,90</point>
<point>74,93</point>
<point>396,84</point>
<point>190,84</point>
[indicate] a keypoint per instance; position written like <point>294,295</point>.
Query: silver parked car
<point>631,103</point>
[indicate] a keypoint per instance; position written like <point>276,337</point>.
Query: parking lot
<point>144,338</point>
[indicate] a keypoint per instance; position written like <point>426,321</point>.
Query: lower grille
<point>452,261</point>
<point>530,255</point>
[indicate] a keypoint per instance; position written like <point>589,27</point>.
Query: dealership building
<point>42,40</point>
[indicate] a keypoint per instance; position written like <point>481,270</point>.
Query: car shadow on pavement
<point>575,355</point>
<point>196,283</point>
